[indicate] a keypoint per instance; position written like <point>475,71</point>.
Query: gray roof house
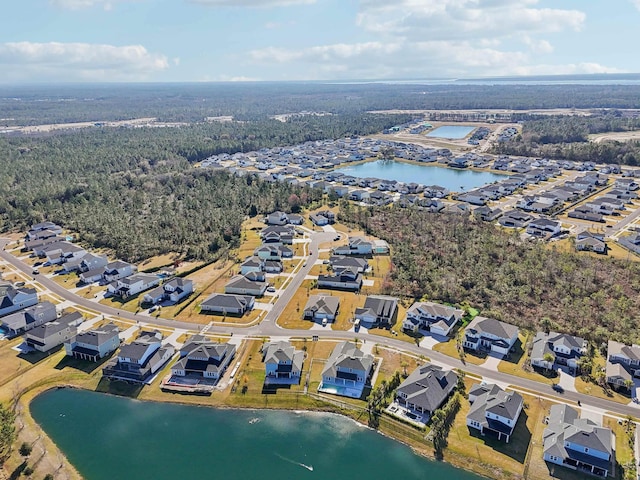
<point>425,390</point>
<point>378,311</point>
<point>357,246</point>
<point>591,242</point>
<point>346,371</point>
<point>342,261</point>
<point>321,307</point>
<point>241,285</point>
<point>94,344</point>
<point>201,357</point>
<point>227,304</point>
<point>132,285</point>
<point>31,317</point>
<point>494,410</point>
<point>139,360</point>
<point>172,290</point>
<point>54,333</point>
<point>489,334</point>
<point>343,278</point>
<point>434,317</point>
<point>13,299</point>
<point>623,362</point>
<point>557,348</point>
<point>117,270</point>
<point>577,443</point>
<point>283,363</point>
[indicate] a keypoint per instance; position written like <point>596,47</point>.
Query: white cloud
<point>252,3</point>
<point>636,3</point>
<point>80,4</point>
<point>56,61</point>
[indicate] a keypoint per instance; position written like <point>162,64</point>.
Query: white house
<point>94,344</point>
<point>129,286</point>
<point>283,363</point>
<point>494,410</point>
<point>433,317</point>
<point>490,334</point>
<point>346,371</point>
<point>557,348</point>
<point>322,307</point>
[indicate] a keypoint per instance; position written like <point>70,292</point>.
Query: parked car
<point>35,271</point>
<point>271,289</point>
<point>558,388</point>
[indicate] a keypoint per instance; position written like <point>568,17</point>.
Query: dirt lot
<point>615,136</point>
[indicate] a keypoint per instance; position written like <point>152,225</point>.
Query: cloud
<point>78,61</point>
<point>636,3</point>
<point>252,3</point>
<point>81,4</point>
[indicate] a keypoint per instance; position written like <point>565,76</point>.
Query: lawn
<point>393,361</point>
<point>153,263</point>
<point>488,455</point>
<point>450,348</point>
<point>515,364</point>
<point>624,433</point>
<point>590,388</point>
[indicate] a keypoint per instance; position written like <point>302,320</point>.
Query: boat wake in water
<point>308,467</point>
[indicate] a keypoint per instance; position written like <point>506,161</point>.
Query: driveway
<point>492,361</point>
<point>566,380</point>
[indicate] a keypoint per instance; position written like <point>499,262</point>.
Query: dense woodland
<point>454,259</point>
<point>568,138</point>
<point>35,105</point>
<point>135,191</point>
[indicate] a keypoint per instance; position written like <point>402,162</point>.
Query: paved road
<point>268,327</point>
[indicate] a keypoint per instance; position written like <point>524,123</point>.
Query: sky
<point>52,41</point>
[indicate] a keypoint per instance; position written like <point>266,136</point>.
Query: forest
<point>135,191</point>
<point>454,259</point>
<point>565,137</point>
<point>35,105</point>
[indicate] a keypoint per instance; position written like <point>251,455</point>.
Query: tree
<point>628,384</point>
<point>549,358</point>
<point>7,431</point>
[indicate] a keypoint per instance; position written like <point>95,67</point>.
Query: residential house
<point>515,219</point>
<point>43,226</point>
<point>489,334</point>
<point>343,278</point>
<point>282,362</point>
<point>29,318</point>
<point>243,285</point>
<point>172,290</point>
<point>203,358</point>
<point>543,227</point>
<point>60,252</point>
<point>273,266</point>
<point>117,270</point>
<point>277,218</point>
<point>623,363</point>
<point>295,219</point>
<point>227,304</point>
<point>577,443</point>
<point>139,360</point>
<point>494,410</point>
<point>433,317</point>
<point>273,252</point>
<point>321,308</point>
<point>549,349</point>
<point>252,264</point>
<point>425,390</point>
<point>346,371</point>
<point>344,261</point>
<point>14,298</point>
<point>380,247</point>
<point>94,344</point>
<point>54,333</point>
<point>130,286</point>
<point>357,246</point>
<point>378,311</point>
<point>591,242</point>
<point>487,214</point>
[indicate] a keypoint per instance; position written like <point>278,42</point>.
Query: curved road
<point>268,327</point>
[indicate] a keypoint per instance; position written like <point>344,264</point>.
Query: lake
<point>107,437</point>
<point>454,132</point>
<point>452,178</point>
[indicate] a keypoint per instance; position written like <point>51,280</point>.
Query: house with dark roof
<point>277,218</point>
<point>60,252</point>
<point>252,264</point>
<point>273,252</point>
<point>29,318</point>
<point>491,335</point>
<point>203,358</point>
<point>494,410</point>
<point>432,317</point>
<point>42,227</point>
<point>94,344</point>
<point>543,227</point>
<point>623,363</point>
<point>139,360</point>
<point>549,349</point>
<point>577,443</point>
<point>227,304</point>
<point>347,371</point>
<point>425,390</point>
<point>54,333</point>
<point>487,214</point>
<point>282,363</point>
<point>129,286</point>
<point>515,219</point>
<point>343,278</point>
<point>117,270</point>
<point>377,311</point>
<point>322,307</point>
<point>172,291</point>
<point>14,298</point>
